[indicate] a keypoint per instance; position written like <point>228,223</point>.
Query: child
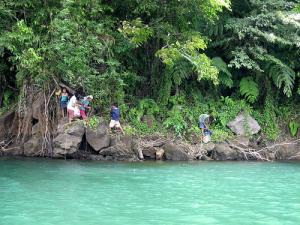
<point>71,107</point>
<point>77,110</point>
<point>115,118</point>
<point>84,105</point>
<point>64,98</point>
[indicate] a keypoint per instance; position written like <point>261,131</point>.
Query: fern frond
<point>283,76</point>
<point>249,89</point>
<point>181,71</point>
<point>225,76</point>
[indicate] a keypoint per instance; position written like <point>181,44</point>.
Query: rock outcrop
<point>176,152</point>
<point>74,140</point>
<point>243,125</point>
<point>98,138</point>
<point>68,139</point>
<point>224,152</point>
<point>122,148</point>
<point>289,151</point>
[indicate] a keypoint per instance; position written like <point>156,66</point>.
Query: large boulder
<point>159,154</point>
<point>123,148</point>
<point>68,139</point>
<point>286,151</point>
<point>224,152</point>
<point>98,138</point>
<point>149,152</point>
<point>177,152</point>
<point>244,124</point>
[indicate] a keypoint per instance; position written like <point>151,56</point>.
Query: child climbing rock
<point>115,118</point>
<point>85,105</point>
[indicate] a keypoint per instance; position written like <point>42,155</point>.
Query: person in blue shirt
<point>204,121</point>
<point>64,99</point>
<point>115,118</point>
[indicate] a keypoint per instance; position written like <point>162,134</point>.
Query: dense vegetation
<point>166,61</point>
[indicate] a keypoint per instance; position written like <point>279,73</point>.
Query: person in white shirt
<point>71,107</point>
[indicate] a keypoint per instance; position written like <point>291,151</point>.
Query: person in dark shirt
<point>115,118</point>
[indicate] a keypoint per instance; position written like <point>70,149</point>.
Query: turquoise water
<point>57,192</point>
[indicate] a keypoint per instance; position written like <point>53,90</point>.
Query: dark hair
<point>115,104</point>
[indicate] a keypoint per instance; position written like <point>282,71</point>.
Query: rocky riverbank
<point>76,141</point>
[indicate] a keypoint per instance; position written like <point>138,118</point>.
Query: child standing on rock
<point>115,118</point>
<point>64,98</point>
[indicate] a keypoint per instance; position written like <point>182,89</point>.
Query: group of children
<point>76,108</point>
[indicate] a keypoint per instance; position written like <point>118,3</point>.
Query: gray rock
<point>149,153</point>
<point>206,158</point>
<point>122,148</point>
<point>65,144</point>
<point>159,154</point>
<point>176,152</point>
<point>244,124</point>
<point>76,128</point>
<point>69,141</point>
<point>98,138</point>
<point>286,151</point>
<point>224,152</point>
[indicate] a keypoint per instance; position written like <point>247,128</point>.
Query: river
<point>58,192</point>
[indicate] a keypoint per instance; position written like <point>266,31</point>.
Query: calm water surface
<point>57,192</point>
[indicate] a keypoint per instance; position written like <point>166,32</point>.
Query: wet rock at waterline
<point>176,152</point>
<point>224,152</point>
<point>288,151</point>
<point>68,139</point>
<point>149,152</point>
<point>122,148</point>
<point>244,124</point>
<point>98,138</point>
<point>159,154</point>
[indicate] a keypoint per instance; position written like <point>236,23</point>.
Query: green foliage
<point>249,89</point>
<point>259,37</point>
<point>175,121</point>
<point>229,108</point>
<point>225,76</point>
<point>293,125</point>
<point>268,119</point>
<point>136,31</point>
<point>160,59</point>
<point>189,51</point>
<point>93,122</point>
<point>282,75</point>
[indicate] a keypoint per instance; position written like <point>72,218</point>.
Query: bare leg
<point>121,129</point>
